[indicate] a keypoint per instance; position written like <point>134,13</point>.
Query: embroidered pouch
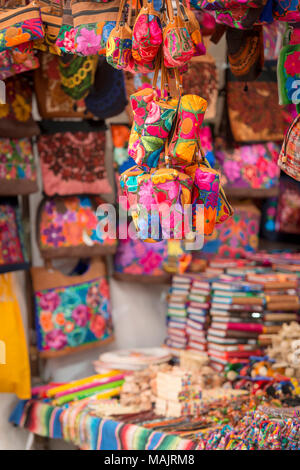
<point>205,192</point>
<point>289,158</point>
<point>73,159</point>
<point>20,24</point>
<point>69,227</point>
<point>178,47</point>
<point>240,18</point>
<point>193,27</point>
<point>13,255</point>
<point>129,184</point>
<point>17,60</point>
<point>189,117</point>
<point>147,33</point>
<point>66,36</point>
<point>72,313</point>
<point>16,119</point>
<point>17,167</point>
<point>288,73</point>
<point>211,5</point>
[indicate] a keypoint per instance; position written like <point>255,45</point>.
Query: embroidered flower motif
<point>49,301</point>
<point>88,43</point>
<point>56,339</point>
<point>81,315</point>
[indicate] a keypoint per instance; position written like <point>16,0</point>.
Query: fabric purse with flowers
<point>72,312</point>
<point>147,34</point>
<point>189,118</point>
<point>93,23</point>
<point>211,5</point>
<point>119,43</point>
<point>193,27</point>
<point>168,190</point>
<point>20,24</point>
<point>153,119</point>
<point>17,60</point>
<point>288,68</point>
<point>73,158</point>
<point>69,227</point>
<point>289,158</point>
<point>17,167</point>
<point>16,119</point>
<point>66,35</point>
<point>240,18</point>
<point>129,184</point>
<point>13,254</point>
<point>178,47</point>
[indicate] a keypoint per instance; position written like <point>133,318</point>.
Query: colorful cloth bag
<point>13,255</point>
<point>190,115</point>
<point>73,159</point>
<point>119,43</point>
<point>288,68</point>
<point>93,23</point>
<point>289,158</point>
<point>249,166</point>
<point>227,4</point>
<point>66,36</point>
<point>138,261</point>
<point>72,312</point>
<point>178,47</point>
<point>17,167</point>
<point>17,60</point>
<point>69,227</point>
<point>16,119</point>
<point>20,24</point>
<point>147,34</point>
<point>129,184</point>
<point>77,75</point>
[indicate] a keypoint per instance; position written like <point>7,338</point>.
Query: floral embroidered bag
<point>253,167</point>
<point>73,158</point>
<point>178,47</point>
<point>17,167</point>
<point>17,60</point>
<point>69,227</point>
<point>16,119</point>
<point>129,184</point>
<point>52,101</point>
<point>289,158</point>
<point>72,313</point>
<point>138,261</point>
<point>189,117</point>
<point>13,254</point>
<point>20,24</point>
<point>288,67</point>
<point>147,33</point>
<point>93,23</point>
<point>119,43</point>
<point>193,28</point>
<point>65,40</point>
<point>77,75</point>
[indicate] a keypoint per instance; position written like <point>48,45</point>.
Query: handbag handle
<point>121,12</point>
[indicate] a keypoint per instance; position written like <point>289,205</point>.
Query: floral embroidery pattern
<point>66,39</point>
<point>73,163</point>
<point>18,100</point>
<point>237,236</point>
<point>69,222</point>
<point>73,316</point>
<point>10,242</point>
<point>147,36</point>
<point>137,257</point>
<point>16,159</point>
<point>17,60</point>
<point>20,33</point>
<point>286,10</point>
<point>288,72</point>
<point>250,166</point>
<point>91,39</point>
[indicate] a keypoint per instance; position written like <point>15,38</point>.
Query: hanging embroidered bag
<point>147,33</point>
<point>289,158</point>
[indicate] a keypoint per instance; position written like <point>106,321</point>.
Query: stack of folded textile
<point>281,301</point>
<point>177,311</point>
<point>236,321</point>
<point>197,312</point>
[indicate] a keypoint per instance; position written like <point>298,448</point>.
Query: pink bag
<point>147,34</point>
